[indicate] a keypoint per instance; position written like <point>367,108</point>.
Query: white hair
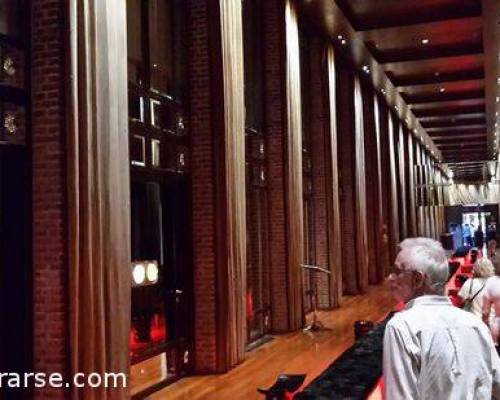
<point>428,257</point>
<point>483,268</point>
<point>421,241</point>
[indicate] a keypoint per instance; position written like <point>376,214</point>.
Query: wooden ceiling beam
<point>462,128</point>
<point>376,20</point>
<point>424,53</point>
<point>457,132</point>
<point>447,123</point>
<point>456,117</point>
<point>454,138</point>
<point>438,97</point>
<point>437,77</point>
<point>448,111</point>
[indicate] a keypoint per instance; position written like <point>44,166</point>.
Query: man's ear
<point>418,278</point>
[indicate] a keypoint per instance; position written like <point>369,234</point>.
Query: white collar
<point>429,300</point>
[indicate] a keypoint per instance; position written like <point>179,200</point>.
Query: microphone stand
<point>315,324</point>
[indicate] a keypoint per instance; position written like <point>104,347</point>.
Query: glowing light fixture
<point>442,90</point>
<point>144,273</point>
<point>139,274</point>
<point>152,272</point>
<point>425,41</point>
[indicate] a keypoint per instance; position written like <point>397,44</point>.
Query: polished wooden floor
<point>291,353</point>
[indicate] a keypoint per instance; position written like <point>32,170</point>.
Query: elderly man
<point>433,350</point>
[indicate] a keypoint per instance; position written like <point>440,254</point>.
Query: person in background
<point>479,237</point>
<point>491,300</point>
<point>472,291</point>
<point>467,235</point>
<point>433,350</point>
<point>456,231</point>
<point>491,239</point>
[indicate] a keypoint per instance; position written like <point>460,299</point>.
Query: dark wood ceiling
<point>433,52</point>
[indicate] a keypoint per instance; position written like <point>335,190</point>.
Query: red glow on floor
<point>158,332</point>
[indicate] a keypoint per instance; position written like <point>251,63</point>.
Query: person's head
<point>483,268</point>
<point>420,241</point>
<point>421,267</point>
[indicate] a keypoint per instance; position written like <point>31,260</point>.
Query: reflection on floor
<point>291,353</point>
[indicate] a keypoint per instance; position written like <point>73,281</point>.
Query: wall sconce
<point>144,273</point>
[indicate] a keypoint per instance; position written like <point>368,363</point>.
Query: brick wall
<point>371,181</point>
<point>49,192</point>
<point>345,121</point>
<point>319,127</point>
<point>274,73</point>
<point>203,200</point>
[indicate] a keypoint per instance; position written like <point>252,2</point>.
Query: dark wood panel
<point>449,110</point>
<point>369,14</point>
<point>423,53</point>
<point>435,77</point>
<point>453,123</point>
<point>438,97</point>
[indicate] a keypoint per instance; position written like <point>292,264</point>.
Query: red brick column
<point>319,129</point>
<point>371,179</point>
<point>274,128</point>
<point>203,189</point>
<point>50,302</point>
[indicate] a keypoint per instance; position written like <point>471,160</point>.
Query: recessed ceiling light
<point>442,90</point>
<point>344,42</point>
<point>425,41</point>
<point>340,37</point>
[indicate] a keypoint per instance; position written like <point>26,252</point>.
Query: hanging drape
<point>463,194</point>
<point>411,187</point>
<point>234,154</point>
<point>361,214</point>
<point>394,189</point>
<point>382,236</point>
<point>294,168</point>
<point>334,242</point>
<point>98,192</point>
<point>402,181</point>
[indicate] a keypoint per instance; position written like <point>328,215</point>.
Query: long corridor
<point>293,353</point>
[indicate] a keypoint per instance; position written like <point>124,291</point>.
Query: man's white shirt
<point>433,350</point>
